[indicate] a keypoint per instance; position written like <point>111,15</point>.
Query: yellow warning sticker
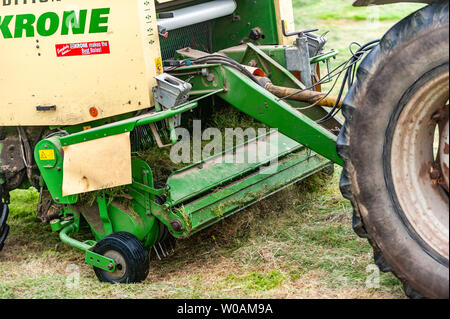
<point>159,66</point>
<point>46,155</point>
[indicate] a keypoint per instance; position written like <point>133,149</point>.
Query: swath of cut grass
<point>296,244</point>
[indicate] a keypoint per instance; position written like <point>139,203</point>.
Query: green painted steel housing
<point>201,194</point>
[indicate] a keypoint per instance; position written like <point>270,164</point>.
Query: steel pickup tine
<point>156,251</point>
<point>162,250</point>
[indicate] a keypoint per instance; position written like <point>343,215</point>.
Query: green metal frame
<point>227,32</point>
<point>231,86</point>
<point>195,198</point>
<point>198,195</point>
<point>91,258</point>
<point>230,200</point>
<point>272,60</point>
<point>250,98</point>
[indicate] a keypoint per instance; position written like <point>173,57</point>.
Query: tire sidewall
<point>133,252</point>
<point>118,247</point>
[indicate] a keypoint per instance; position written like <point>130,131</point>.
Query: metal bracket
<point>300,33</point>
<point>171,91</point>
<point>100,261</point>
<point>91,258</point>
<point>103,209</point>
<point>308,45</point>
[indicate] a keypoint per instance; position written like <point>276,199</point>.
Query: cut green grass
<point>296,244</point>
<point>311,10</point>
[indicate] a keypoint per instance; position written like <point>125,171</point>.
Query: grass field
<point>298,244</point>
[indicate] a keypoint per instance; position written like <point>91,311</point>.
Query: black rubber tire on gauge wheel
<point>392,112</point>
<point>130,256</point>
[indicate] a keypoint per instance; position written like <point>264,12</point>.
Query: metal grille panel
<point>197,36</point>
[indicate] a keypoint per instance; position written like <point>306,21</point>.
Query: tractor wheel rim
<point>121,266</point>
<point>443,154</point>
<point>416,172</point>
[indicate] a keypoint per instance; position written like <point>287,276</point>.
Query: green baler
<point>114,134</point>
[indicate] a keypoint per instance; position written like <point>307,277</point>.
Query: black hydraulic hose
<point>329,116</point>
<point>348,67</point>
<point>349,76</point>
<point>216,59</point>
<point>220,59</point>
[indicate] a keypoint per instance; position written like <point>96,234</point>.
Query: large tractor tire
<point>395,174</point>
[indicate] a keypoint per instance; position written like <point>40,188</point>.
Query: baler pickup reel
<point>209,189</point>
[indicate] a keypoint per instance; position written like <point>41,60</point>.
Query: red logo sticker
<point>82,48</point>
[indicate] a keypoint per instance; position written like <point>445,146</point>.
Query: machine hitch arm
<point>265,107</point>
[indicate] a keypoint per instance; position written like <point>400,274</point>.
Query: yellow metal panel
<point>98,164</point>
<point>32,74</point>
<point>285,11</point>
